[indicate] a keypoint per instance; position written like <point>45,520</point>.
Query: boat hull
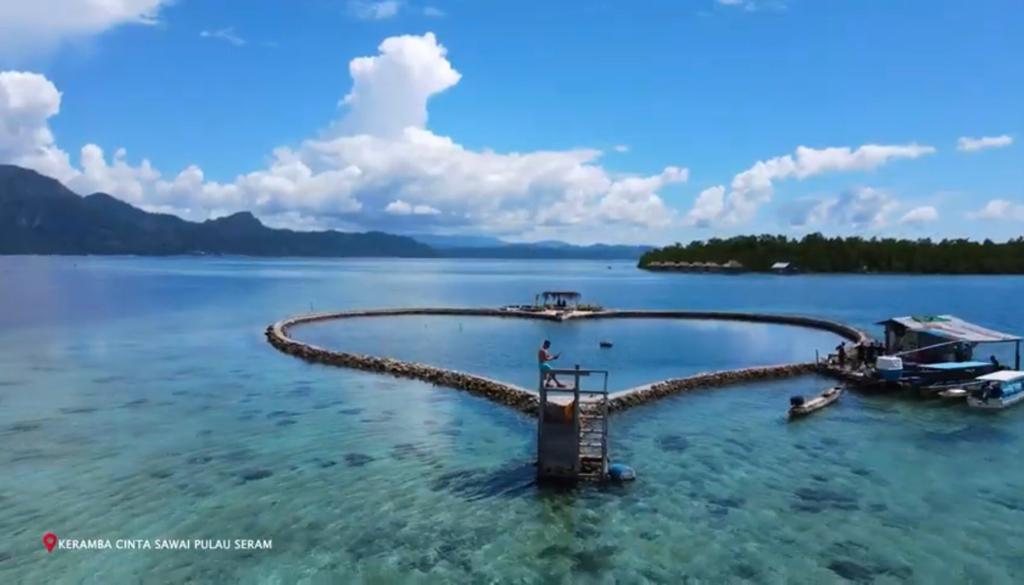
<point>815,404</point>
<point>995,403</point>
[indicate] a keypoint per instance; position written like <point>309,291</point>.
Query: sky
<point>605,121</point>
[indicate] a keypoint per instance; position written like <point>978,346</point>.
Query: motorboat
<point>799,406</point>
<point>1000,389</point>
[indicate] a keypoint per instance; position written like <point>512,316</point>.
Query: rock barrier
<point>524,400</point>
<point>649,392</point>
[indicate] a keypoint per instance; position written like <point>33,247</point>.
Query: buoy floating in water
<point>621,472</point>
<point>605,344</point>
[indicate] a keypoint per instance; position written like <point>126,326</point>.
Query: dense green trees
<point>816,253</point>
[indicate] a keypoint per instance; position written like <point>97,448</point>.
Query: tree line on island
<point>817,253</point>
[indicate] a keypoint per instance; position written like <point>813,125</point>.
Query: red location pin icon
<point>49,541</point>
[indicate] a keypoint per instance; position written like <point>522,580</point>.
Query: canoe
<point>800,407</point>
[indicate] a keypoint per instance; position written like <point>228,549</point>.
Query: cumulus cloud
<point>999,209</point>
<point>27,101</point>
<point>381,10</point>
<point>920,215</point>
<point>970,144</point>
<point>390,90</point>
<point>28,26</point>
<point>862,208</point>
<point>754,187</point>
<point>378,163</point>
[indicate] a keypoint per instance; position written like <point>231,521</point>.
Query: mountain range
<point>39,215</point>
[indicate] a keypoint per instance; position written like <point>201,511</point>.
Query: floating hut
<point>562,300</point>
<point>941,339</point>
<point>784,268</point>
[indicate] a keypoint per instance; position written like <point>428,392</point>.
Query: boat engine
<point>796,401</point>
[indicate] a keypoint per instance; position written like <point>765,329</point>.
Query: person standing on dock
<point>543,358</point>
<point>841,354</point>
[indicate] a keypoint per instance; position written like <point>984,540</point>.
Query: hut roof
<point>952,328</point>
<point>565,294</point>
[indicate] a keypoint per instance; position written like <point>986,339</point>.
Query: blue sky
<point>681,97</point>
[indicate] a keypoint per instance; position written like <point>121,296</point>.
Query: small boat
<point>998,390</point>
<point>798,406</point>
<point>605,344</point>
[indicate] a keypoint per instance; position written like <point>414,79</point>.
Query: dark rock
<point>673,443</point>
<point>852,571</point>
<point>80,410</point>
<point>357,459</point>
<point>255,474</point>
<point>818,499</point>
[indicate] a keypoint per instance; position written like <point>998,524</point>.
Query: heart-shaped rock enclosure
<point>526,401</point>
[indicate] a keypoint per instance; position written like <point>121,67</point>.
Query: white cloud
<point>390,90</point>
<point>399,207</point>
<point>227,35</point>
<point>755,5</point>
<point>27,101</point>
<point>433,12</point>
<point>381,10</point>
<point>969,144</point>
<point>379,159</point>
<point>754,187</point>
<point>621,148</point>
<point>862,208</point>
<point>28,26</point>
<point>999,209</point>
<point>920,215</point>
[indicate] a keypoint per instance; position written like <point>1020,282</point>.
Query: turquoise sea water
<point>139,400</point>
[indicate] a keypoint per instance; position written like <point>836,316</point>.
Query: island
<point>818,253</point>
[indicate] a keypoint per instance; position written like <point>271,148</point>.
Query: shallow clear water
<point>138,399</point>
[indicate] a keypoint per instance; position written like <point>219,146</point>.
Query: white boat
<point>799,406</point>
<point>998,390</point>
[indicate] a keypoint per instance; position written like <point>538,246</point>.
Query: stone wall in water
<point>525,401</point>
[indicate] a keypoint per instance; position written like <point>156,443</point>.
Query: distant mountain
<point>38,215</point>
<point>546,250</point>
<point>491,247</point>
<point>441,242</point>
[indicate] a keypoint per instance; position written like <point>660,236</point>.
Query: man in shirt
<point>543,358</point>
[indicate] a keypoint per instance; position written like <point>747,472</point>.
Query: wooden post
<point>576,418</point>
<point>540,422</point>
